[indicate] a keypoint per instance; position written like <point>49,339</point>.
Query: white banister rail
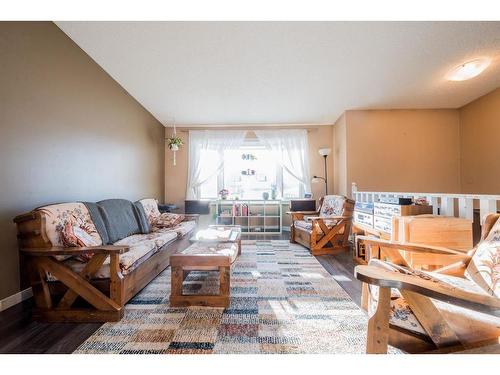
<point>460,205</point>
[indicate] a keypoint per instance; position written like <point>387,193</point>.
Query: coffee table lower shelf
<point>182,264</point>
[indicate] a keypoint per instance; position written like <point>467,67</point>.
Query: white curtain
<point>291,150</point>
<point>216,141</point>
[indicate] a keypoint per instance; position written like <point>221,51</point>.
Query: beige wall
<point>480,150</point>
<point>340,156</point>
<point>67,132</point>
<point>176,176</point>
<point>403,150</point>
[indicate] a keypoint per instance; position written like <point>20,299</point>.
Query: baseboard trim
<point>15,299</point>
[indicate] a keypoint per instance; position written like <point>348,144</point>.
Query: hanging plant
<point>174,142</point>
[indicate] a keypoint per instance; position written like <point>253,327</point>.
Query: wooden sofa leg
<point>41,293</point>
<point>117,286</point>
<point>378,324</point>
<point>292,233</point>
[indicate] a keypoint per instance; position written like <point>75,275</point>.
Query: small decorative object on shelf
<point>224,193</point>
<point>273,192</point>
<point>422,201</point>
<point>248,157</point>
<point>265,195</point>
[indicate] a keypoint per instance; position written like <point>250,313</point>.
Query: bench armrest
<point>59,250</point>
<point>427,287</point>
<point>302,212</point>
<point>329,218</point>
<point>299,215</point>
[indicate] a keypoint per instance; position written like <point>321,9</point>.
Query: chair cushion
<point>484,267</point>
<point>307,225</point>
<point>122,219</point>
<point>333,205</point>
<point>151,209</point>
<point>58,216</point>
<point>467,324</point>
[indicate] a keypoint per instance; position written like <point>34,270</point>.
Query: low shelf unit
<point>252,215</point>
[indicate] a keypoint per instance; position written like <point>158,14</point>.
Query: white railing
<point>458,205</point>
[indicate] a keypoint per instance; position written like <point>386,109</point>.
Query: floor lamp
<point>323,152</point>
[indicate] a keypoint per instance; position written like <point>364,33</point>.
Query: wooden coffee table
<point>214,249</point>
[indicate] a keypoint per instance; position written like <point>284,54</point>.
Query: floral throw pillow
<point>74,236</point>
<point>168,220</point>
<point>332,205</point>
<point>150,206</point>
<point>484,267</point>
<point>63,220</point>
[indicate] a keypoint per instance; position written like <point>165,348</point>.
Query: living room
<point>250,187</point>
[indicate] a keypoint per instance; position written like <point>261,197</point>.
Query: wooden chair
<point>452,309</point>
<point>325,231</point>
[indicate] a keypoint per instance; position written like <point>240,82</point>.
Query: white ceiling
<point>288,72</point>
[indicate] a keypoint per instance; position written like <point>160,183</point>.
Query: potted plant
<point>224,193</point>
<point>174,142</point>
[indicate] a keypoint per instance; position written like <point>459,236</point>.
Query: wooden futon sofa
<point>85,260</point>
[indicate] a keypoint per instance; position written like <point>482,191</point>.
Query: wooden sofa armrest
<point>59,250</point>
<point>410,247</point>
<point>299,215</point>
<point>329,218</point>
<point>437,290</point>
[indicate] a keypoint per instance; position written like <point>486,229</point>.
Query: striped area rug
<point>282,301</point>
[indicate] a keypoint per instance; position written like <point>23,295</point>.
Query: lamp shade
<point>324,151</point>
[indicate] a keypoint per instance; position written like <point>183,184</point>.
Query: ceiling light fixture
<point>468,70</point>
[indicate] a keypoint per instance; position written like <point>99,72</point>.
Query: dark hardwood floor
<point>18,334</point>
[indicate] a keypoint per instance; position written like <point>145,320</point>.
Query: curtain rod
<point>309,128</point>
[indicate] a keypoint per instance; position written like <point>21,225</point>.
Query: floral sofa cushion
<point>485,326</point>
<point>333,205</point>
<point>168,220</point>
<point>151,209</point>
<point>180,229</point>
<point>64,220</point>
<point>142,247</point>
<point>484,267</point>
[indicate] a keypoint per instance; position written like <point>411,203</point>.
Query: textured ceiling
<point>288,72</point>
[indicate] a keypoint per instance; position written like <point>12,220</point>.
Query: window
<point>248,172</point>
<point>274,161</point>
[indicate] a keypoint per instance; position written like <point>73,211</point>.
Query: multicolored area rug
<point>282,301</point>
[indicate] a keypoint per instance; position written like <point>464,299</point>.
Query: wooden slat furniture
<point>208,253</point>
<point>359,230</point>
<point>77,296</point>
<point>313,229</point>
<point>443,231</point>
<point>447,232</point>
<point>418,290</point>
